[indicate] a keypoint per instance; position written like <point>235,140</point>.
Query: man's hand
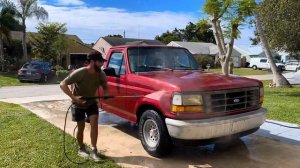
<point>77,100</point>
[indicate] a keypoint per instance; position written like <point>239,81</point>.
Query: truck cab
<point>170,97</point>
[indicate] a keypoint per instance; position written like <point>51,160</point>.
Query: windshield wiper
<point>148,68</point>
<point>183,66</point>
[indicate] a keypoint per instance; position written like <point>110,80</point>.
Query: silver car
<point>35,71</point>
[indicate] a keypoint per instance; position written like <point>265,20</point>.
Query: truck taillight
<point>20,72</point>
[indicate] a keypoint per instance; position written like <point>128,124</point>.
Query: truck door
<point>116,84</point>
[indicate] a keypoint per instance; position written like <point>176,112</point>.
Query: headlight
<point>187,103</point>
<point>261,95</point>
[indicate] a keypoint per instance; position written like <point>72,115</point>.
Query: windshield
<point>32,66</point>
<point>160,59</point>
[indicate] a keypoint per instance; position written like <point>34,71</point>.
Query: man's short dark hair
<point>96,56</point>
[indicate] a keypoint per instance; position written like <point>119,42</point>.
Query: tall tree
<point>234,13</point>
<point>7,22</point>
<point>114,35</point>
<point>196,32</point>
<point>168,36</point>
<point>280,20</point>
<point>50,42</point>
<point>28,9</point>
<point>278,78</point>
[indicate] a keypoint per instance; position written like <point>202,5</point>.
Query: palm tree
<point>7,20</point>
<point>28,9</point>
<point>278,78</point>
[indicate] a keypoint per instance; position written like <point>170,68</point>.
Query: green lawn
<point>243,71</point>
<point>11,79</point>
<point>28,141</point>
<point>283,104</point>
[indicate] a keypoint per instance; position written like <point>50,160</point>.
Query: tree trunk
<point>24,45</point>
<point>1,53</point>
<point>217,31</point>
<point>278,78</point>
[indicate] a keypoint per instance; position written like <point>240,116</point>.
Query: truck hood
<point>197,80</point>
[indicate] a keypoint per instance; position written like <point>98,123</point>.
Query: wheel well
<point>145,107</point>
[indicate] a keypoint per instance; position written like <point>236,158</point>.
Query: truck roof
<point>143,46</point>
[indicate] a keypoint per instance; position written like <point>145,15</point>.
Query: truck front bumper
<point>215,127</point>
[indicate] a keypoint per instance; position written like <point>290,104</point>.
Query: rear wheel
<point>44,78</point>
<point>254,67</point>
<point>154,134</point>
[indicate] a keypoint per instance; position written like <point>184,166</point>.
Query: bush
<point>61,74</point>
<point>58,68</point>
<point>204,60</point>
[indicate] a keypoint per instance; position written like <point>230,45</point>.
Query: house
<point>199,49</point>
<point>103,44</point>
<point>76,51</point>
<point>253,51</point>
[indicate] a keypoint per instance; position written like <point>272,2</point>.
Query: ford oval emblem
<point>236,100</point>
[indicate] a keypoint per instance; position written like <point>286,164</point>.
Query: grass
<point>243,71</point>
<point>283,104</point>
<point>28,141</point>
<point>11,79</point>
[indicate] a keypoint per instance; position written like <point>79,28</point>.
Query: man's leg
<point>79,136</point>
<point>94,130</point>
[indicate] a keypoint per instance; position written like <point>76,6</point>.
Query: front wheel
<point>254,67</point>
<point>154,134</point>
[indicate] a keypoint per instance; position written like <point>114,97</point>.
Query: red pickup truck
<point>164,91</point>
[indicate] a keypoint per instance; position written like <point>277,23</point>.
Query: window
<point>160,59</point>
<point>263,60</point>
<point>117,62</point>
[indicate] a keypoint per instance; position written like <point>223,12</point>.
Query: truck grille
<point>228,100</point>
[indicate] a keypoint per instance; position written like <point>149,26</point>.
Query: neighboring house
<point>251,51</point>
<point>199,49</point>
<point>76,51</point>
<point>103,44</point>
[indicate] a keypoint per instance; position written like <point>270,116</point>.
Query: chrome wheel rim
<point>151,133</point>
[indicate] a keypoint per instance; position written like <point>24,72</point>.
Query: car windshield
<point>160,59</point>
<point>32,66</point>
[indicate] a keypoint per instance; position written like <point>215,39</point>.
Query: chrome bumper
<point>215,127</point>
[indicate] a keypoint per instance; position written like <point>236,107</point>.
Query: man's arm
<point>64,87</point>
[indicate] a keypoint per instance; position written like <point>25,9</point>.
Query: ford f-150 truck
<point>164,91</point>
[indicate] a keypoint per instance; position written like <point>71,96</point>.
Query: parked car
<point>263,63</point>
<point>35,71</point>
<point>292,65</point>
<point>170,97</point>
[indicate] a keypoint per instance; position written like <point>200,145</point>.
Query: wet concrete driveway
<point>118,139</point>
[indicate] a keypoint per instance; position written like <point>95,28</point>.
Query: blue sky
<point>91,20</point>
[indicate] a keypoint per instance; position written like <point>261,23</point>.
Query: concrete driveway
<point>118,139</point>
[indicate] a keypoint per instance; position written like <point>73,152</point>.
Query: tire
<point>254,67</point>
<point>154,134</point>
<point>44,78</point>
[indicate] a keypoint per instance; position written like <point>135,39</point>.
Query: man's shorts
<point>79,114</point>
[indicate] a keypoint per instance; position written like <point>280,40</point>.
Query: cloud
<point>90,23</point>
<point>69,2</point>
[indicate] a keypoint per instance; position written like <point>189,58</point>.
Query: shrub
<point>61,74</point>
<point>58,68</point>
<point>204,60</point>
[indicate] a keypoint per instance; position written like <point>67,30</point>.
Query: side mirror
<point>110,71</point>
